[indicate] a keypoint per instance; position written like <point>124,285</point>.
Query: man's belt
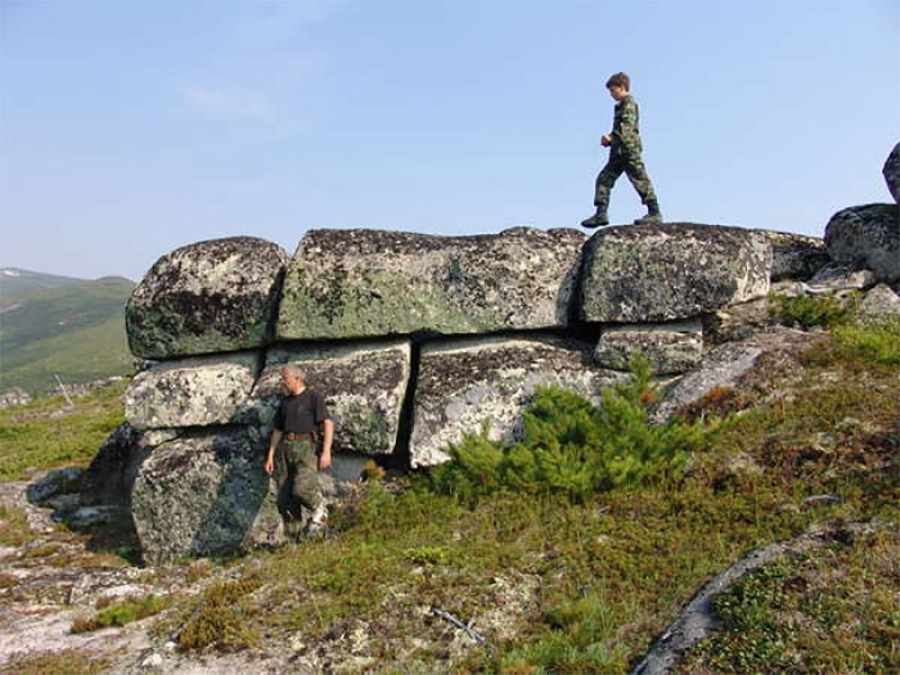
<point>291,436</point>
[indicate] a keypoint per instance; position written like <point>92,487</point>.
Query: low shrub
<point>571,447</point>
<point>221,619</point>
<point>807,312</point>
<point>122,613</point>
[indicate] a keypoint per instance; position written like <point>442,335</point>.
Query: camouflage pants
<point>298,478</point>
<point>633,167</point>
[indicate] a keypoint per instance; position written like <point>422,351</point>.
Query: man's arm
<point>273,446</point>
<point>327,439</point>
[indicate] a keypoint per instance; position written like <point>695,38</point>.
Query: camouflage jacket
<point>626,133</point>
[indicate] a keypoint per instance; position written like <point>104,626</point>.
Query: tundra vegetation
<point>572,549</point>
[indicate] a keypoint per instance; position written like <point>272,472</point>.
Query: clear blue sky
<point>130,128</point>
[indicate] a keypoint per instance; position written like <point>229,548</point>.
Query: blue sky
<point>130,128</point>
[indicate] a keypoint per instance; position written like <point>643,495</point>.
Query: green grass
<point>64,662</point>
<point>75,331</point>
<point>122,613</point>
<point>32,438</point>
<point>566,586</point>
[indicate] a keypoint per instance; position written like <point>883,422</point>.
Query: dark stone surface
<point>891,172</point>
<point>867,237</point>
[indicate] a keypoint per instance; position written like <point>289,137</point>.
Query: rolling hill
<point>52,325</point>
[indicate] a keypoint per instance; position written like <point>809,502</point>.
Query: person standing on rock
<point>624,143</point>
<point>302,416</point>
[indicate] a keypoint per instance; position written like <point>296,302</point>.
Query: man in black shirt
<point>302,419</point>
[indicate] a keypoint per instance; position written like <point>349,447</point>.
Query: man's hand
<point>325,460</point>
<point>270,465</point>
<point>606,140</point>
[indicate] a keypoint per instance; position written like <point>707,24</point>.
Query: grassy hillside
<point>15,283</point>
<point>560,581</point>
<point>76,331</point>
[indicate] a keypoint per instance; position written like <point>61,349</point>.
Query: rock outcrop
<point>867,237</point>
<point>417,340</point>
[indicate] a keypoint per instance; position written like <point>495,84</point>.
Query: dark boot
<point>599,219</point>
<point>653,217</point>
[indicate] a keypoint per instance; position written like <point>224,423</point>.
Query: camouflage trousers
<point>633,167</point>
<point>298,478</point>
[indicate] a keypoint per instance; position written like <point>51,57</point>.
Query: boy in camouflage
<point>625,147</point>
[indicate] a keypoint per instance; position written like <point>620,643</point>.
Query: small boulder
<point>466,383</point>
<point>57,482</point>
<point>192,392</point>
<point>213,296</point>
<point>891,172</point>
<point>672,348</point>
<point>867,237</point>
<point>879,303</point>
<point>357,283</point>
<point>657,273</point>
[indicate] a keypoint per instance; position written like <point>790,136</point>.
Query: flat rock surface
<point>192,392</point>
<point>357,283</point>
<point>465,383</point>
<point>654,273</point>
<point>363,385</point>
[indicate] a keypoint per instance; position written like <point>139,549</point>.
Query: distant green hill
<point>74,330</point>
<point>14,283</point>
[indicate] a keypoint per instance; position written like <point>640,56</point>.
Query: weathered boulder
<point>879,303</point>
<point>465,383</point>
<point>867,237</point>
<point>356,283</point>
<point>672,348</point>
<point>658,273</point>
<point>197,391</point>
<point>212,296</point>
<point>205,495</point>
<point>835,277</point>
<point>891,172</point>
<point>795,256</point>
<point>14,396</point>
<point>364,387</point>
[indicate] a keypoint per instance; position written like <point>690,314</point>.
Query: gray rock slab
<point>191,392</point>
<point>879,303</point>
<point>836,277</point>
<point>672,348</point>
<point>867,237</point>
<point>891,172</point>
<point>364,386</point>
<point>205,495</point>
<point>463,384</point>
<point>358,283</point>
<point>212,296</point>
<point>795,256</point>
<point>656,273</point>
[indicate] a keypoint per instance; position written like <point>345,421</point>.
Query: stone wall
<point>417,340</point>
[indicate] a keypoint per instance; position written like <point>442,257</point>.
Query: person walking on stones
<point>302,418</point>
<point>624,143</point>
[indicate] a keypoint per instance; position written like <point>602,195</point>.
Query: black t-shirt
<point>302,413</point>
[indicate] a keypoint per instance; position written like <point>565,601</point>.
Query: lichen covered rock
<point>654,273</point>
<point>795,256</point>
<point>464,384</point>
<point>192,392</point>
<point>355,283</point>
<point>212,296</point>
<point>364,387</point>
<point>204,495</point>
<point>867,237</point>
<point>672,348</point>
